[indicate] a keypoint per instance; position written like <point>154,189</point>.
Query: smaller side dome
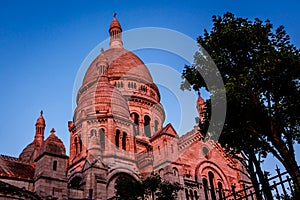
<point>53,145</point>
<point>27,155</point>
<point>109,99</point>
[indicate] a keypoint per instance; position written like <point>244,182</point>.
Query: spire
<point>40,129</point>
<point>200,106</point>
<point>115,32</point>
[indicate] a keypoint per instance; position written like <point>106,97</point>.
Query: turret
<point>200,106</point>
<point>39,130</point>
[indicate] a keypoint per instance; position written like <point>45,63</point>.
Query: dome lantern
<point>115,32</point>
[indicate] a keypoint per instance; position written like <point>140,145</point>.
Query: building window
<point>220,188</point>
<point>175,171</point>
<point>147,126</point>
<point>165,147</point>
<point>76,146</point>
<point>54,165</point>
<point>196,195</point>
<point>211,183</point>
<point>135,118</point>
<point>93,133</point>
<point>191,194</point>
<point>161,173</point>
<point>158,150</point>
<point>102,138</point>
<point>205,186</point>
<point>80,145</point>
<point>124,137</point>
<point>186,194</point>
<point>117,138</point>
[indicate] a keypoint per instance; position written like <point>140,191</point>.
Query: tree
<point>168,191</point>
<point>129,189</point>
<point>152,184</point>
<point>261,73</point>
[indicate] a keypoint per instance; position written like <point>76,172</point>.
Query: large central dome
<point>128,92</point>
<point>119,63</point>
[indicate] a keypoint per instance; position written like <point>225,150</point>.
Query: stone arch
<point>135,116</point>
<point>117,138</point>
<point>147,129</point>
<point>161,172</point>
<point>175,172</point>
<point>77,145</point>
<point>113,177</point>
<point>102,138</point>
<point>124,141</point>
<point>75,180</point>
<point>208,165</point>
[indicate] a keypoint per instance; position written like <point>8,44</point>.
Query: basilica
<point>118,130</point>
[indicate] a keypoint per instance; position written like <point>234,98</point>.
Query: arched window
<point>147,126</point>
<point>165,147</point>
<point>186,194</point>
<point>102,138</point>
<point>205,187</point>
<point>191,194</point>
<point>161,173</point>
<point>75,182</point>
<point>117,138</point>
<point>76,146</point>
<point>80,145</point>
<point>175,172</point>
<point>211,183</point>
<point>155,125</point>
<point>93,133</point>
<point>135,118</point>
<point>196,195</point>
<point>220,190</point>
<point>124,137</point>
<point>54,165</point>
<point>158,150</point>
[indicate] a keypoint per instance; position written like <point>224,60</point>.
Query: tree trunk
<point>254,179</point>
<point>288,160</point>
<point>264,183</point>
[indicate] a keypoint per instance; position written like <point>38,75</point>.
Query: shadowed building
<point>117,131</point>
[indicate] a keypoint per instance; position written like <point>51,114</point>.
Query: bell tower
<point>39,130</point>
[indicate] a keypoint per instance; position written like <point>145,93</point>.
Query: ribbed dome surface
<point>122,63</point>
<point>28,152</point>
<point>109,99</point>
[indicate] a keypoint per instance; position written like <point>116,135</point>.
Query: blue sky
<point>43,43</point>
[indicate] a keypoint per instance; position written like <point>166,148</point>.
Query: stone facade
<point>118,130</point>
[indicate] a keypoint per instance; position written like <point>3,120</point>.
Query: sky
<point>44,43</point>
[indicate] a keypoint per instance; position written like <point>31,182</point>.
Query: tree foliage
<point>128,189</point>
<point>260,69</point>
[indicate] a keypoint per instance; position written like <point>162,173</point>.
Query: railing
<point>279,187</point>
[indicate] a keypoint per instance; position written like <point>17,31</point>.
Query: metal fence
<point>279,186</point>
